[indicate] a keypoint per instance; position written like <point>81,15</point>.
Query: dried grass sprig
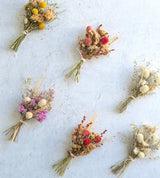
<point>84,141</point>
<point>144,142</point>
<point>96,43</point>
<point>37,14</point>
<point>145,81</point>
<point>35,105</point>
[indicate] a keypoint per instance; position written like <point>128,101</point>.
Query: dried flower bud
<point>140,138</point>
<point>141,155</point>
<point>146,73</point>
<point>27,99</point>
<point>88,41</point>
<point>42,103</point>
<point>104,40</point>
<point>136,151</point>
<point>158,79</point>
<point>89,29</point>
<point>25,20</point>
<point>143,82</point>
<point>144,89</point>
<point>29,115</point>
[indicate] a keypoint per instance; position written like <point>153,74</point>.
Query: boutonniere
<point>37,14</point>
<point>35,105</point>
<point>84,141</point>
<point>144,142</point>
<point>144,82</point>
<point>96,43</point>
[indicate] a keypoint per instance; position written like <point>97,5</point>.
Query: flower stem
<point>14,131</point>
<point>75,71</point>
<point>61,166</point>
<point>124,105</point>
<point>119,169</point>
<point>18,41</point>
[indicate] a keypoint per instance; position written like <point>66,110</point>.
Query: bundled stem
<point>124,105</point>
<point>75,71</point>
<point>61,166</point>
<point>18,41</point>
<point>119,169</point>
<point>14,131</point>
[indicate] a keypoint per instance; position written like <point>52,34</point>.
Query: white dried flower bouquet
<point>145,81</point>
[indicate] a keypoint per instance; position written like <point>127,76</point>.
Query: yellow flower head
<point>35,11</point>
<point>42,26</point>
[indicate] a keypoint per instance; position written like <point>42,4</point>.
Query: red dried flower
<point>86,141</point>
<point>97,139</point>
<point>86,133</point>
<point>104,40</point>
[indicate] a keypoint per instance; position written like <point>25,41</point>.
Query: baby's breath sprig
<point>83,142</point>
<point>96,43</point>
<point>145,141</point>
<point>37,14</point>
<point>145,81</point>
<point>35,105</point>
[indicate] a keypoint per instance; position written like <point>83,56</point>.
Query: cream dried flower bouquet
<point>144,82</point>
<point>144,142</point>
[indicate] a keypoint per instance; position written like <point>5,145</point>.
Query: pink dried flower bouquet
<point>35,105</point>
<point>97,42</point>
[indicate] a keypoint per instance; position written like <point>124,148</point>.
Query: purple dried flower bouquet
<point>35,105</point>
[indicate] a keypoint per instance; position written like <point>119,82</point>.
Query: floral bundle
<point>83,142</point>
<point>96,43</point>
<point>145,141</point>
<point>35,105</point>
<point>37,14</point>
<point>145,81</point>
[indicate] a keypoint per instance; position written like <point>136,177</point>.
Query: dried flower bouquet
<point>145,81</point>
<point>84,141</point>
<point>144,142</point>
<point>37,14</point>
<point>35,105</point>
<point>96,43</point>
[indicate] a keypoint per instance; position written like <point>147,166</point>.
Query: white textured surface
<point>50,53</point>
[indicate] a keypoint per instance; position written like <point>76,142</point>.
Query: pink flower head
<point>41,116</point>
<point>21,108</point>
<point>89,28</point>
<point>33,102</point>
<point>88,41</point>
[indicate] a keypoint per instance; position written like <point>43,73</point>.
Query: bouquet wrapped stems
<point>14,130</point>
<point>62,165</point>
<point>125,104</point>
<point>75,71</point>
<point>118,169</point>
<point>15,45</point>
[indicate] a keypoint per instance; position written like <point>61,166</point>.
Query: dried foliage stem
<point>61,167</point>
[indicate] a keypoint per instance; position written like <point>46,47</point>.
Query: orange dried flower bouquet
<point>84,141</point>
<point>37,14</point>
